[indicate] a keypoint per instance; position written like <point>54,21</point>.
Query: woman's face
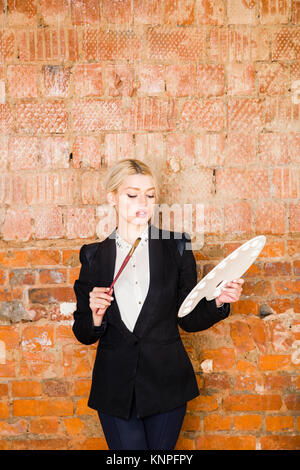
<point>135,199</point>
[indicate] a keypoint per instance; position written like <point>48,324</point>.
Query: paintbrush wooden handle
<point>127,258</point>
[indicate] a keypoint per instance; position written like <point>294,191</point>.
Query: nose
<point>143,200</point>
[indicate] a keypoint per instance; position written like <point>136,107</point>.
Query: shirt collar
<point>121,243</point>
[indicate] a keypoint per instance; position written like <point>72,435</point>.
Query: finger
<point>101,295</point>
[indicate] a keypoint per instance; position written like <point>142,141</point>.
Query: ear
<point>111,198</point>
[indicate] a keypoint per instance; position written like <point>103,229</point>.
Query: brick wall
<point>206,91</point>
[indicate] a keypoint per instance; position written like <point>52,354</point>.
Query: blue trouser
<point>156,432</point>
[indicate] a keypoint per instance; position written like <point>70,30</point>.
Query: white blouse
<point>131,287</point>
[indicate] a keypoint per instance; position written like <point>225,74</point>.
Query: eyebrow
<point>131,187</point>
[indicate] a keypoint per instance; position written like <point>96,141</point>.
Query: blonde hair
<point>124,168</point>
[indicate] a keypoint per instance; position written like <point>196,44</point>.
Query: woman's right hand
<point>100,300</point>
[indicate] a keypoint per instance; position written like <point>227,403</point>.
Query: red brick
<point>150,79</point>
<point>241,148</point>
<point>249,184</point>
<point>22,81</point>
<point>13,429</point>
<point>210,12</point>
<point>248,383</point>
<point>94,443</point>
<point>241,12</point>
<point>87,152</point>
<point>277,382</point>
<point>7,45</point>
<point>43,257</point>
<point>270,218</point>
<point>179,12</point>
<point>23,153</point>
<point>206,114</point>
<point>56,80</point>
<point>210,149</point>
<point>53,11</point>
<point>51,295</point>
<point>241,79</point>
<point>4,410</point>
<point>220,442</point>
<point>42,407</point>
<point>85,12</point>
<point>203,403</point>
<point>285,44</point>
<point>295,11</point>
<point>280,442</point>
<point>17,225</point>
<point>287,287</point>
<point>3,390</point>
<point>49,223</point>
<point>6,119</point>
<point>223,358</point>
<point>41,444</point>
<point>165,43</point>
<point>215,422</point>
<point>238,44</point>
<point>292,402</point>
<point>294,220</point>
<point>238,218</point>
<point>279,423</point>
<point>247,422</point>
<point>252,403</point>
<point>180,80</point>
<point>74,426</point>
<point>241,336</point>
<point>245,114</point>
<point>272,148</point>
<point>191,423</point>
<point>110,45</point>
<point>49,425</point>
<point>80,223</point>
<point>148,12</point>
<point>119,80</point>
<point>282,114</point>
<point>210,80</point>
<point>88,79</point>
<point>274,11</point>
<point>26,388</point>
<point>180,149</point>
<point>115,11</point>
<point>20,12</point>
<point>285,183</point>
<point>274,362</point>
<point>277,268</point>
<point>273,78</point>
<point>259,333</point>
<point>90,116</point>
<point>41,118</point>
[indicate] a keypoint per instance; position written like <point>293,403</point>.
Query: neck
<point>130,232</point>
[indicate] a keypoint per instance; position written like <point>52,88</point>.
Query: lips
<point>141,213</point>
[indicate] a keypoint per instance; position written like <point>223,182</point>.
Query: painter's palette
<point>231,268</point>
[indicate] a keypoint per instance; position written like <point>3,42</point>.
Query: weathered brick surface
<point>208,93</point>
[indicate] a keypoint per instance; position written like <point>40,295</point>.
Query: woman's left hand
<point>230,292</point>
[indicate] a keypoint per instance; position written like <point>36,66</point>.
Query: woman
<point>142,376</point>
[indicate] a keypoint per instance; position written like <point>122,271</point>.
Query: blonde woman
<point>142,376</point>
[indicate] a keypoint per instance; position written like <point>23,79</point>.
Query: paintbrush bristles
<point>137,241</point>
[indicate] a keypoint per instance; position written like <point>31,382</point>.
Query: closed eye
<point>130,195</point>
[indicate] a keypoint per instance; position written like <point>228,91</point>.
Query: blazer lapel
<point>106,257</point>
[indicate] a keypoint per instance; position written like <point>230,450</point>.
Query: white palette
<point>231,268</point>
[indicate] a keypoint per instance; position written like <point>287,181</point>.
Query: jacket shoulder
<point>176,239</point>
<point>90,250</point>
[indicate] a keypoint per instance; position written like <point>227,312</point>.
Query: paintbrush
<point>127,258</point>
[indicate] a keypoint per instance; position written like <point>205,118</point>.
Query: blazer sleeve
<point>206,313</point>
<point>83,327</point>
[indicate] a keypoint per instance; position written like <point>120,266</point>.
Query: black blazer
<point>150,361</point>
